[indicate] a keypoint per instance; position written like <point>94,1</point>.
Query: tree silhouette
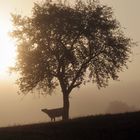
<point>67,46</point>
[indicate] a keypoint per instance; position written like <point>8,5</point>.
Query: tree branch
<point>80,33</point>
<point>73,85</point>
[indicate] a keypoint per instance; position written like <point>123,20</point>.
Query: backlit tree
<point>66,46</point>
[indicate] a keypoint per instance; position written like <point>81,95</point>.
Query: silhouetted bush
<point>119,107</point>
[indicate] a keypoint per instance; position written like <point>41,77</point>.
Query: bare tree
<point>67,46</point>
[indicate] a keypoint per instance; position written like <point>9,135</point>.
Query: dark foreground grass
<point>101,127</point>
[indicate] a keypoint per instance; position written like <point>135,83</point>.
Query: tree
<point>68,46</point>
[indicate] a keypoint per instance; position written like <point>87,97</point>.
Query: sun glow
<point>7,49</point>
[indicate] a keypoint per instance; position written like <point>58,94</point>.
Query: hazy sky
<point>19,109</point>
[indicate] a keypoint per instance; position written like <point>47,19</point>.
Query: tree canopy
<point>69,45</point>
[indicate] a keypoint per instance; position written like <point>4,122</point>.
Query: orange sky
<point>18,109</point>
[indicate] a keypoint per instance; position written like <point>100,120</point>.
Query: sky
<point>18,109</point>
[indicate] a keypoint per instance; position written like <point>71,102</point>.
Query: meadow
<point>125,126</point>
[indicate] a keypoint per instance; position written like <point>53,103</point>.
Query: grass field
<point>101,127</point>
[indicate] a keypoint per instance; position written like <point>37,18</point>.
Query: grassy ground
<point>101,127</point>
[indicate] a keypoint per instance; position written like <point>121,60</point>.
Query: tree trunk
<point>65,106</point>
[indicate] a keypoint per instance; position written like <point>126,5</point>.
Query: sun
<point>7,49</point>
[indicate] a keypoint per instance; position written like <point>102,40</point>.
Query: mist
<point>16,109</point>
<point>88,100</point>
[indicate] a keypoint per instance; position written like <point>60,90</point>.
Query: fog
<point>88,100</point>
<point>18,109</point>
